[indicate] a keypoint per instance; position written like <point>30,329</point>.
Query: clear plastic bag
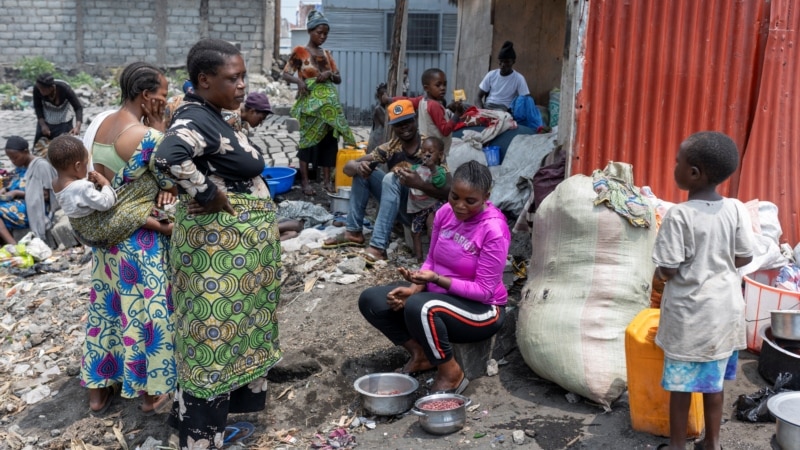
<point>35,247</point>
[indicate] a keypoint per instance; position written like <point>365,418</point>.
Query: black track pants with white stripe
<point>432,319</point>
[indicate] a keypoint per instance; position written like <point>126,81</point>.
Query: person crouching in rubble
<point>458,294</point>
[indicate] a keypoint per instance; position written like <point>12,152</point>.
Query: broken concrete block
<point>473,357</point>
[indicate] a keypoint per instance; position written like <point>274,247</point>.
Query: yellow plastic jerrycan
<point>342,156</point>
<point>645,363</point>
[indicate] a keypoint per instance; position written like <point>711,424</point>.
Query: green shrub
<point>81,79</point>
<point>30,68</point>
<point>8,89</point>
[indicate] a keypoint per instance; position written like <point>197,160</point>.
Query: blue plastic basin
<point>279,179</point>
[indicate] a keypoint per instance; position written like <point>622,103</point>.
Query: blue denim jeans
<point>392,198</point>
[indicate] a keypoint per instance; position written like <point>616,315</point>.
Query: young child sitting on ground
<point>75,187</point>
<point>421,206</point>
<point>700,244</point>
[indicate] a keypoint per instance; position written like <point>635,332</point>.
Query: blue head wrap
<point>316,18</point>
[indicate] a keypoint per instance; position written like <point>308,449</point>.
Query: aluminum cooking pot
<point>442,422</point>
<point>786,409</point>
<point>786,324</point>
<point>386,394</point>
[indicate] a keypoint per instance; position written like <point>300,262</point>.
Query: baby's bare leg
<point>161,227</point>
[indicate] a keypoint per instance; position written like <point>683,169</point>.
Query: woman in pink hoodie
<point>458,294</point>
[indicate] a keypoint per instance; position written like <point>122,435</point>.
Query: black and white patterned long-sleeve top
<point>203,153</point>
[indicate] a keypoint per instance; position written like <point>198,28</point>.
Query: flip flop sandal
<point>112,391</point>
<point>238,432</point>
<point>458,389</point>
<point>372,259</point>
<point>341,241</point>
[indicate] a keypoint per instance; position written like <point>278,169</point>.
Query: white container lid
<point>786,406</point>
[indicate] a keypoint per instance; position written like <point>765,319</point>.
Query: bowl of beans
<point>386,394</point>
<point>441,413</point>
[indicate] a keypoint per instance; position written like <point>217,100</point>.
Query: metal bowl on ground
<point>785,407</point>
<point>441,421</point>
<point>386,394</point>
<point>340,201</point>
<point>785,324</point>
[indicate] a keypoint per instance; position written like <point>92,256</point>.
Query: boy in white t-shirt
<point>500,86</point>
<point>76,187</point>
<point>699,246</point>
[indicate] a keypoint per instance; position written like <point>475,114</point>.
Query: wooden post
<point>276,50</point>
<point>272,14</point>
<point>401,61</point>
<point>398,45</point>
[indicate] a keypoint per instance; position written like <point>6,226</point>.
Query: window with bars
<point>423,33</point>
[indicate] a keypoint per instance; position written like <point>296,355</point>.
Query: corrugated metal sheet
<point>358,43</point>
<point>657,71</point>
<point>361,29</point>
<point>772,161</point>
<point>363,70</point>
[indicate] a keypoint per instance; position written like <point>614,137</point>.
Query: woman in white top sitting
<point>500,86</point>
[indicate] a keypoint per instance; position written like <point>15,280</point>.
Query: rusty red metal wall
<point>657,71</point>
<point>771,164</point>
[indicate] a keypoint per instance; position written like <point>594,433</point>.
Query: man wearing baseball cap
<point>390,189</point>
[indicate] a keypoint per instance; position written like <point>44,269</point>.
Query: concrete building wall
<point>71,33</point>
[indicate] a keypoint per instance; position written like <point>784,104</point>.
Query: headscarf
<point>316,18</point>
<point>17,143</point>
<point>507,51</point>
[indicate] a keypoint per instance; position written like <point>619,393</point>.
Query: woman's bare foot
<point>448,376</point>
<point>100,398</point>
<point>418,361</point>
<point>307,190</point>
<point>152,403</point>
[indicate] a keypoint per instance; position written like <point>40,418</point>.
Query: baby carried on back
<point>103,218</point>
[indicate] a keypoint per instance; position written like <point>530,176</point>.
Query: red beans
<point>441,405</point>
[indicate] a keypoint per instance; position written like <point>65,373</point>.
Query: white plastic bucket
<point>760,298</point>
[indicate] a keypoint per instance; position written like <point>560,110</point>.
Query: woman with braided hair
<point>129,331</point>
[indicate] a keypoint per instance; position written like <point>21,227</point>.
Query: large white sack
<point>590,274</point>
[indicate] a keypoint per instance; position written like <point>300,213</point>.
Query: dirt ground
<point>328,345</point>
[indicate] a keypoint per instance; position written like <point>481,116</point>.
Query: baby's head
<point>68,155</point>
<point>432,151</point>
<point>708,153</point>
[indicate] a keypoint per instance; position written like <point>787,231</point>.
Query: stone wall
<point>72,33</point>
